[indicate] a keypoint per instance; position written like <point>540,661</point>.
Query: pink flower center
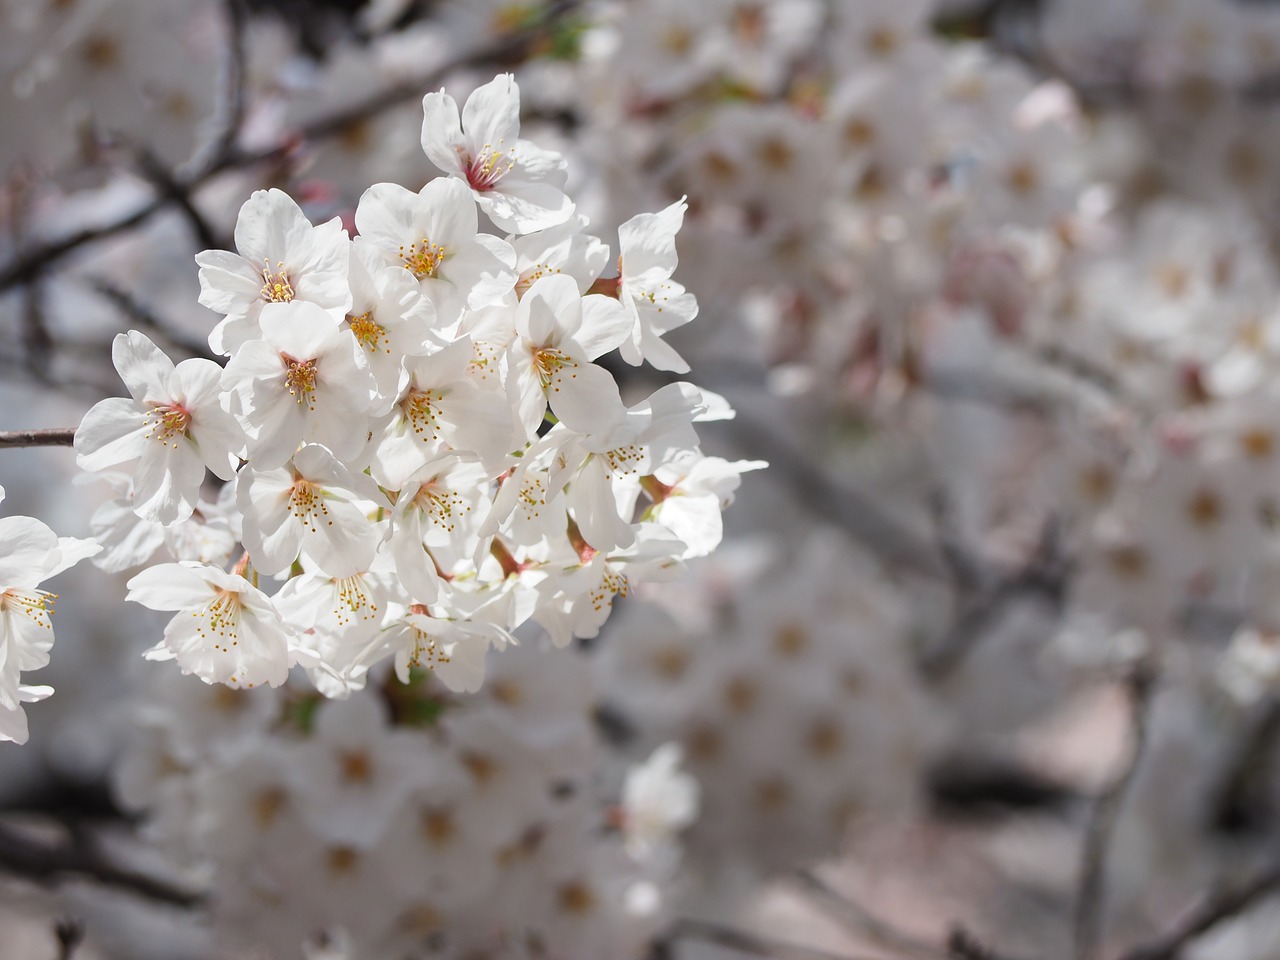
<point>485,170</point>
<point>166,422</point>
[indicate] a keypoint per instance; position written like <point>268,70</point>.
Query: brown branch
<point>60,437</point>
<point>47,863</point>
<point>1043,577</point>
<point>1092,885</point>
<point>1226,904</point>
<point>27,266</point>
<point>861,921</point>
<point>736,939</point>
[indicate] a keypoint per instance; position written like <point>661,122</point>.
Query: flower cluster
<point>413,425</point>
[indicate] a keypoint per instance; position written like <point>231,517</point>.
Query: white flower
<point>432,234</point>
<point>315,505</point>
<point>306,380</point>
<point>518,185</point>
<point>453,650</point>
<point>442,407</point>
<point>226,631</point>
<point>174,427</point>
<point>390,316</point>
<point>29,553</point>
<point>559,332</point>
<point>658,801</point>
<point>282,258</point>
<point>656,303</point>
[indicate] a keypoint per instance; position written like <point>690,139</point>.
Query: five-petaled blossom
<point>172,428</point>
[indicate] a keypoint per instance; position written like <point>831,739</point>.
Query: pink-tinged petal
<point>595,508</point>
<point>605,325</point>
<point>227,282</point>
<point>143,367</point>
<point>454,220</point>
<point>491,115</point>
<point>167,482</point>
<point>388,216</point>
<point>72,550</point>
<point>660,355</point>
<point>647,241</point>
<point>442,132</point>
<point>267,222</point>
<point>27,552</point>
<point>585,398</point>
<point>550,311</point>
<point>524,390</point>
<point>171,586</point>
<point>112,432</point>
<point>522,206</point>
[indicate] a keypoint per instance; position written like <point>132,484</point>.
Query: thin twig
<point>61,437</point>
<point>1043,577</point>
<point>169,187</point>
<point>27,265</point>
<point>861,921</point>
<point>143,316</point>
<point>47,863</point>
<point>70,934</point>
<point>1091,890</point>
<point>1226,904</point>
<point>736,939</point>
<point>963,945</point>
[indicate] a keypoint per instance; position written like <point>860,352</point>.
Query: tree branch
<point>860,921</point>
<point>59,437</point>
<point>1226,904</point>
<point>1091,890</point>
<point>736,939</point>
<point>47,863</point>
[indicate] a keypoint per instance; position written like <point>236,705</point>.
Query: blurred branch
<point>69,932</point>
<point>79,856</point>
<point>1092,888</point>
<point>1242,799</point>
<point>37,438</point>
<point>26,267</point>
<point>861,921</point>
<point>735,939</point>
<point>142,316</point>
<point>170,189</point>
<point>1227,904</point>
<point>1044,576</point>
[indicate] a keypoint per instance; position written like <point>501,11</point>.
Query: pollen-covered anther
<point>488,167</point>
<point>219,621</point>
<point>611,584</point>
<point>306,502</point>
<point>369,333</point>
<point>353,601</point>
<point>276,286</point>
<point>426,652</point>
<point>423,413</point>
<point>549,362</point>
<point>422,258</point>
<point>440,505</point>
<point>300,378</point>
<point>35,605</point>
<point>166,422</point>
<point>624,460</point>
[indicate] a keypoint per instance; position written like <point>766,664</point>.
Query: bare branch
<point>1092,887</point>
<point>27,266</point>
<point>47,863</point>
<point>1226,904</point>
<point>736,939</point>
<point>1042,577</point>
<point>861,921</point>
<point>61,437</point>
